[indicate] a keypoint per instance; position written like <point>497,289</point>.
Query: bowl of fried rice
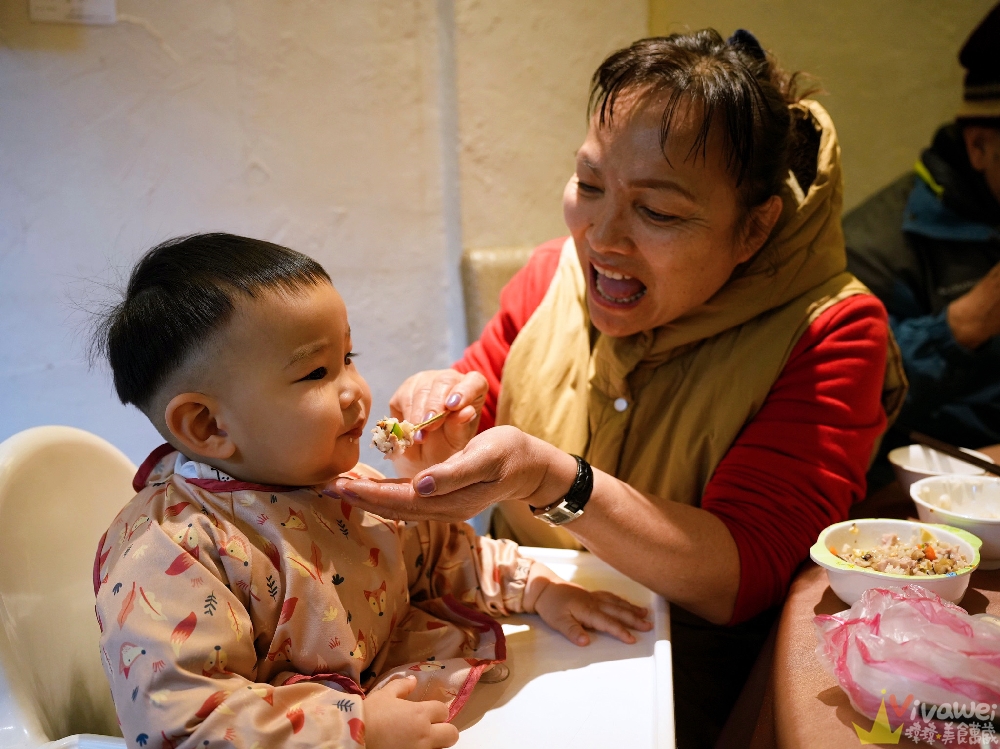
<point>884,552</point>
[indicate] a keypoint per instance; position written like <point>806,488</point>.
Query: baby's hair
<point>179,293</point>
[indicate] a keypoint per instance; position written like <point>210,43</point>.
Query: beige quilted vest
<point>693,384</point>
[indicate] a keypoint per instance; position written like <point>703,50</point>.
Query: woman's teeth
<point>612,274</point>
<point>617,288</point>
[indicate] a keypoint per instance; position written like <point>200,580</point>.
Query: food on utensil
<point>917,557</point>
<point>391,434</point>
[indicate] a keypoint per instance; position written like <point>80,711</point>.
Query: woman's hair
<point>178,294</point>
<point>736,80</point>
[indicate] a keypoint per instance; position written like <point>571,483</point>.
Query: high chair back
<point>484,273</point>
<point>60,488</point>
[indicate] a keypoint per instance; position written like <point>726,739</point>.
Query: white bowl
<point>915,462</point>
<point>966,502</point>
<point>849,581</point>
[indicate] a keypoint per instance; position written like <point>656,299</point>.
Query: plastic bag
<point>929,666</point>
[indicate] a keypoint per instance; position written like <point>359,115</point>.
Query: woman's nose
<point>609,230</point>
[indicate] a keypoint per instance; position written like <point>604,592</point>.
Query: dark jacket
<point>919,244</point>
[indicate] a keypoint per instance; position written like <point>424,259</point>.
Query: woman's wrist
<point>558,474</point>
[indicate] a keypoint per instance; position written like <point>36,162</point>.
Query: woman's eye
<point>348,358</point>
<point>661,218</point>
<point>317,374</point>
<point>587,188</point>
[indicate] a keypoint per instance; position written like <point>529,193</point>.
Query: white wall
<point>316,125</point>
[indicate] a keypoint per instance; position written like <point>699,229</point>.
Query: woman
<point>696,340</point>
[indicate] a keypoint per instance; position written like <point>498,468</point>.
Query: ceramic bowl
<point>915,462</point>
<point>968,502</point>
<point>850,581</point>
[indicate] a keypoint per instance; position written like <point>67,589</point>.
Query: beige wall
<point>316,125</point>
<point>380,136</point>
<point>890,66</point>
<point>340,128</point>
<point>523,70</point>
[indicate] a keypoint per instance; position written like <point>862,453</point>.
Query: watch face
<point>560,514</point>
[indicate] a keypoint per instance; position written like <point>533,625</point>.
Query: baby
<point>240,606</point>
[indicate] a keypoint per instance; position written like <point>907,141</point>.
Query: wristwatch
<point>570,507</point>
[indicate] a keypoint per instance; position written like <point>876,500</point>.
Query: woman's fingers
<point>448,390</point>
<point>400,404</point>
<point>395,499</point>
<point>471,390</point>
<point>423,392</point>
<point>464,399</point>
<point>483,460</point>
<point>501,463</point>
<point>421,403</point>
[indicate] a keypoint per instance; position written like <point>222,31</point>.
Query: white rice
<point>386,442</point>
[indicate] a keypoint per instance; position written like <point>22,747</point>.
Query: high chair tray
<point>86,741</point>
<point>607,694</point>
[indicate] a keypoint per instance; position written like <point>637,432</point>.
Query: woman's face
<point>655,238</point>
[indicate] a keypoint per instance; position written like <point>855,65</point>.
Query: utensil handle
<point>431,420</point>
<point>954,452</point>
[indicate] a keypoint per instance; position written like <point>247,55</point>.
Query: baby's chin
<point>339,465</point>
<point>315,472</point>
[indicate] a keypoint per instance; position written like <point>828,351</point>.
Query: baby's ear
<point>192,419</point>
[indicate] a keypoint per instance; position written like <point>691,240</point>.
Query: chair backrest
<point>60,488</point>
<point>484,274</point>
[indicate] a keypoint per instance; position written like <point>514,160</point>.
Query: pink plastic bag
<point>935,668</point>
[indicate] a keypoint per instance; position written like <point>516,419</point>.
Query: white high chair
<point>60,488</point>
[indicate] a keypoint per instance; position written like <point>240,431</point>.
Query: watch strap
<point>571,505</point>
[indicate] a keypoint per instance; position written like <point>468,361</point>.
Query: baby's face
<point>290,398</point>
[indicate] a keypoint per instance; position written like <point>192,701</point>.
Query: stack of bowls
<point>915,462</point>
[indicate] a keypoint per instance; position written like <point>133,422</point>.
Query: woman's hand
<point>393,722</point>
<point>572,610</point>
<point>501,463</point>
<point>428,393</point>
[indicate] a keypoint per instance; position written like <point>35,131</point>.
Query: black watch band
<point>570,507</point>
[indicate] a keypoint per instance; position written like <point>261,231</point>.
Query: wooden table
<point>809,709</point>
<point>803,706</point>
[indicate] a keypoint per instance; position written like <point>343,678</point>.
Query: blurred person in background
<point>929,246</point>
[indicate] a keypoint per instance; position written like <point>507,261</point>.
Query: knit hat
<point>981,59</point>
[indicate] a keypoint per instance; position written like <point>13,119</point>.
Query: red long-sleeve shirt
<point>796,467</point>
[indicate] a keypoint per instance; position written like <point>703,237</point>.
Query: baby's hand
<point>393,722</point>
<point>570,608</point>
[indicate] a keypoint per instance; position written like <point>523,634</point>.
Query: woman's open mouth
<point>615,288</point>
